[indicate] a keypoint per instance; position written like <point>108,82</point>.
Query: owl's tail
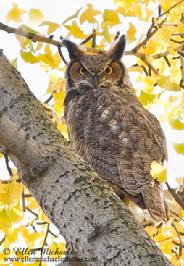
<point>153,198</point>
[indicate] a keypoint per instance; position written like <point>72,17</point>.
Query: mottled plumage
<point>110,129</point>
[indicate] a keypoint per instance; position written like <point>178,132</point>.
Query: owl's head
<point>96,69</point>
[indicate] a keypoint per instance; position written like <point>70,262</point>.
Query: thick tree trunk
<point>86,211</point>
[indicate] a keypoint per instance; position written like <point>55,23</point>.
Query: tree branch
<point>175,196</point>
<point>153,28</point>
<point>74,198</point>
<point>32,36</point>
<point>144,58</point>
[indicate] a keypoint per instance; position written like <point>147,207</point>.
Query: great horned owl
<point>110,129</point>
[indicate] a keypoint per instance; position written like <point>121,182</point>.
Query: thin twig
<point>44,243</point>
<point>144,58</point>
<point>159,55</point>
<point>178,34</point>
<point>91,36</point>
<point>41,223</point>
<point>180,240</point>
<point>49,99</point>
<point>169,9</point>
<point>182,71</point>
<point>177,244</point>
<point>175,196</point>
<point>23,202</point>
<point>117,35</point>
<point>175,41</point>
<point>7,165</point>
<point>94,39</point>
<point>61,55</point>
<point>153,29</point>
<point>31,211</point>
<point>50,232</point>
<point>2,240</point>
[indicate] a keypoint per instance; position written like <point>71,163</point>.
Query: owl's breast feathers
<point>111,130</point>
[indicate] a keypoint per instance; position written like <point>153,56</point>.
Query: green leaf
<point>179,148</point>
<point>75,15</point>
<point>28,29</point>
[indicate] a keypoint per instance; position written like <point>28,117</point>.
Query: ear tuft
<point>73,49</point>
<point>116,52</point>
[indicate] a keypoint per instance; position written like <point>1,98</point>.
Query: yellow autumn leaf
<point>31,203</point>
<point>179,148</point>
<point>175,119</point>
<point>2,259</point>
<point>30,237</point>
<point>89,14</point>
<point>166,83</point>
<point>166,246</point>
<point>58,99</point>
<point>180,180</point>
<point>12,234</point>
<point>105,32</point>
<point>52,26</point>
<point>151,48</point>
<point>42,216</point>
<point>35,15</point>
<point>63,128</point>
<point>11,192</point>
<point>151,230</point>
<point>181,214</point>
<point>57,250</point>
<point>176,261</point>
<point>111,17</point>
<point>158,171</point>
<point>131,32</point>
<point>75,30</point>
<point>160,237</point>
<point>13,214</point>
<point>130,8</point>
<point>146,98</point>
<point>147,83</point>
<point>4,219</point>
<point>180,28</point>
<point>15,14</point>
<point>53,60</point>
<point>28,57</point>
<point>16,263</point>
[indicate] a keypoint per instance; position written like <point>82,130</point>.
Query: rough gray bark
<point>86,211</point>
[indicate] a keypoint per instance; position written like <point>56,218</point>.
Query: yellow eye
<point>108,71</point>
<point>82,71</point>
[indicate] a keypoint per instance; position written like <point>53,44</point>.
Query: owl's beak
<point>95,81</point>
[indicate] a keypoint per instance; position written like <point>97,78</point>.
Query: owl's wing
<point>157,132</point>
<point>134,172</point>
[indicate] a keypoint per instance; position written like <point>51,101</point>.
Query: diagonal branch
<point>73,197</point>
<point>31,36</point>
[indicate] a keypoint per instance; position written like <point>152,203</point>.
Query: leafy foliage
<point>157,76</point>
